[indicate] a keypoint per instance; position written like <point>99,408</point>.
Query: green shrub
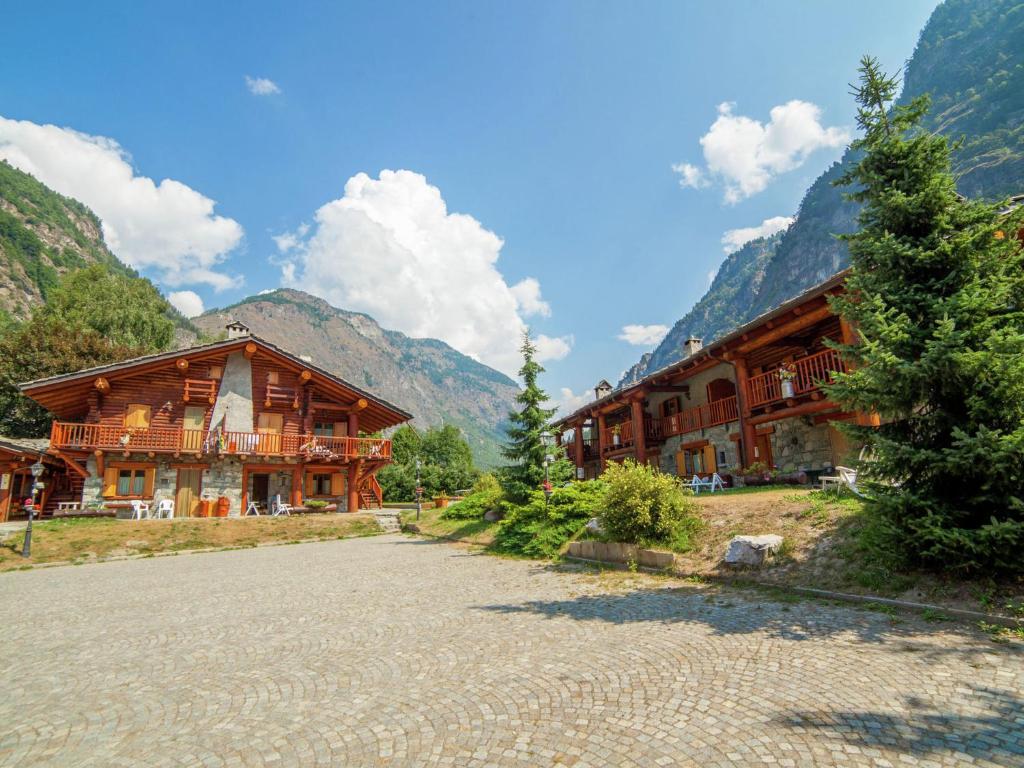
<point>645,506</point>
<point>316,504</point>
<point>536,529</point>
<point>486,496</point>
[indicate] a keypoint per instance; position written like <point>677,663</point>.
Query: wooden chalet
<point>240,418</point>
<point>17,455</point>
<point>753,396</point>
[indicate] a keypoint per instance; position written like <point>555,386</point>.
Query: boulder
<point>752,550</point>
<point>594,526</point>
<point>493,515</point>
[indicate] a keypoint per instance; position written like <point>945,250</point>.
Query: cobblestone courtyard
<point>398,651</point>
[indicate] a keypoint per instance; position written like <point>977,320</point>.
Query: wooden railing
<point>71,436</point>
<point>652,431</point>
<point>200,389</point>
<point>810,373</point>
<point>280,396</point>
<point>700,417</point>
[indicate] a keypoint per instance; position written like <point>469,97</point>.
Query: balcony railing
<point>811,372</point>
<point>700,417</point>
<point>652,431</point>
<point>72,436</point>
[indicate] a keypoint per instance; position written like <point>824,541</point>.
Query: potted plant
<point>616,432</point>
<point>787,374</point>
<point>441,500</point>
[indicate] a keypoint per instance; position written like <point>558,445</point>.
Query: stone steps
<point>389,521</point>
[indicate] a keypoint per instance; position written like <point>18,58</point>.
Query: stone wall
<point>716,436</point>
<point>799,446</point>
<point>224,478</point>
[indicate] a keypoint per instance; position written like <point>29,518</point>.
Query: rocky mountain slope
<point>42,235</point>
<point>424,376</point>
<point>970,58</point>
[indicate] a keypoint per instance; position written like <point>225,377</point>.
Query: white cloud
<point>643,335</point>
<point>289,241</point>
<point>261,86</point>
<point>690,175</point>
<point>746,154</point>
<point>187,302</point>
<point>168,228</point>
<point>567,402</point>
<point>528,298</point>
<point>390,247</point>
<point>734,239</point>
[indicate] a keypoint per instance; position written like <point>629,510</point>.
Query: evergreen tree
<point>936,294</point>
<point>524,448</point>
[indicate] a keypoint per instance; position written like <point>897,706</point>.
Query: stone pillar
<point>747,439</point>
<point>639,434</point>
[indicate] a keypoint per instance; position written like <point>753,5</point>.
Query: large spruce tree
<point>524,448</point>
<point>936,293</point>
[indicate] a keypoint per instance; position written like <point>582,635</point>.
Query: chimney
<point>603,388</point>
<point>237,330</point>
<point>692,346</point>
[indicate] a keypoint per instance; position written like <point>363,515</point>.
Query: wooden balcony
<point>652,431</point>
<point>811,372</point>
<point>701,417</point>
<point>197,390</point>
<point>283,396</point>
<point>174,440</point>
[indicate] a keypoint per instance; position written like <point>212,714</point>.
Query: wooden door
<point>192,428</point>
<point>763,450</point>
<point>261,490</point>
<point>186,498</point>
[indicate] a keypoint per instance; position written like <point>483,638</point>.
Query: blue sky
<point>555,126</point>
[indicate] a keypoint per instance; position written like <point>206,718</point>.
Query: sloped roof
<point>57,393</point>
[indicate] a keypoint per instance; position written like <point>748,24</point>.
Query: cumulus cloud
<point>528,298</point>
<point>567,401</point>
<point>643,335</point>
<point>261,86</point>
<point>744,154</point>
<point>390,247</point>
<point>187,302</point>
<point>289,241</point>
<point>734,239</point>
<point>167,228</point>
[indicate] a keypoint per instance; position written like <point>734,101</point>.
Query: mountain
<point>42,235</point>
<point>970,59</point>
<point>424,376</point>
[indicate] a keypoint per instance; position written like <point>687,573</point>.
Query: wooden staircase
<point>370,495</point>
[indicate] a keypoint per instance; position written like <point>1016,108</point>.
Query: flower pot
<point>616,441</point>
<point>440,502</point>
<point>787,388</point>
<point>233,446</point>
<point>223,505</point>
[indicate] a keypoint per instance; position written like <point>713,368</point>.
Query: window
<point>321,485</point>
<point>273,377</point>
<point>325,484</point>
<point>137,416</point>
<point>696,460</point>
<point>217,372</point>
<point>270,423</point>
<point>128,481</point>
<point>323,429</point>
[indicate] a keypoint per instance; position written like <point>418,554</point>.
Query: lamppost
<point>419,491</point>
<point>37,471</point>
<point>547,440</point>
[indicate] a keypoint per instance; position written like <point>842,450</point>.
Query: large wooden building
<point>752,397</point>
<point>240,418</point>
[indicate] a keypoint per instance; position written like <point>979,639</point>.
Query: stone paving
<point>392,651</point>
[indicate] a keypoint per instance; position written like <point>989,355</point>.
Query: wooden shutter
<point>681,464</point>
<point>137,416</point>
<point>341,429</point>
<point>110,482</point>
<point>337,484</point>
<point>310,487</point>
<point>149,482</point>
<point>710,460</point>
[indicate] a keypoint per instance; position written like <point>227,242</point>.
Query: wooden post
<point>353,425</point>
<point>600,440</point>
<point>578,443</point>
<point>298,475</point>
<point>353,487</point>
<point>747,439</point>
<point>639,437</point>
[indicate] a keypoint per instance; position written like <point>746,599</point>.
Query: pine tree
<point>524,447</point>
<point>936,293</point>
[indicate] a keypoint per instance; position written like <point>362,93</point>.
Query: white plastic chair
<point>140,509</point>
<point>165,508</point>
<point>280,507</point>
<point>711,484</point>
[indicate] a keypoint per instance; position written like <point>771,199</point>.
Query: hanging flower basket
<point>787,375</point>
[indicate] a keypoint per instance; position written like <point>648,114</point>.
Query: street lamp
<point>419,491</point>
<point>37,471</point>
<point>547,440</point>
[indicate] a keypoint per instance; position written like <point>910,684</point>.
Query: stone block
<point>752,550</point>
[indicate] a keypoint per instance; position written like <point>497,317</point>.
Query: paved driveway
<point>396,651</point>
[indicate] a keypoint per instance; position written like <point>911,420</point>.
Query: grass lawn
<point>80,540</point>
<point>479,532</point>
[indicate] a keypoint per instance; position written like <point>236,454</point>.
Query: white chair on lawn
<point>280,507</point>
<point>711,484</point>
<point>165,508</point>
<point>140,509</point>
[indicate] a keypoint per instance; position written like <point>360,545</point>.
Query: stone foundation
<point>798,446</point>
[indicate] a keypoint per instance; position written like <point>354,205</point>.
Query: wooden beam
<point>99,462</point>
<point>670,388</point>
<point>73,465</point>
<point>249,350</point>
<point>181,364</point>
<point>359,404</point>
<point>785,329</point>
<point>799,410</point>
<point>102,385</point>
<point>305,376</point>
